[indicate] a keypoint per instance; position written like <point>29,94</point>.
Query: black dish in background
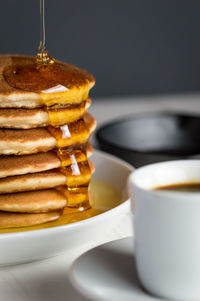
<point>151,137</point>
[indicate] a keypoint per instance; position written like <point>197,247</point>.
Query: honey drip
<point>68,157</point>
<point>43,58</point>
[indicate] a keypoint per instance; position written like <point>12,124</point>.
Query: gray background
<point>131,46</point>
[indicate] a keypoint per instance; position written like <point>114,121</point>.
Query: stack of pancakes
<point>44,148</point>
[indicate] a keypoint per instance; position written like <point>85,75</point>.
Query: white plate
<point>108,272</point>
<point>38,244</point>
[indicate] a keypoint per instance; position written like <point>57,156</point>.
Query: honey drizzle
<point>43,58</point>
<point>74,164</point>
<point>76,168</point>
<point>50,79</point>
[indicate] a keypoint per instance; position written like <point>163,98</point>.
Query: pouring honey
<point>61,89</point>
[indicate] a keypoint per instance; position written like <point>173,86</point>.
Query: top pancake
<point>79,82</point>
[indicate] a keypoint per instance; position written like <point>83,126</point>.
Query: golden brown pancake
<point>39,117</point>
<point>25,141</point>
<point>12,220</point>
<point>74,175</point>
<point>78,84</point>
<point>20,165</point>
<point>35,181</point>
<point>30,141</point>
<point>43,200</point>
<point>33,202</point>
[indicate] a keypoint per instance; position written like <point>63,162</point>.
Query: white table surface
<point>48,280</point>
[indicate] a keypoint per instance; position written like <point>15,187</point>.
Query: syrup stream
<point>42,28</point>
<point>43,57</point>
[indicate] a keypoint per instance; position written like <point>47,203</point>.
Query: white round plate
<point>33,245</point>
<point>108,272</point>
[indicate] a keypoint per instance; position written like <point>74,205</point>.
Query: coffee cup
<point>167,229</point>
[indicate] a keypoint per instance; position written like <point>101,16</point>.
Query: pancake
<point>74,175</point>
<point>25,141</point>
<point>20,165</point>
<point>39,117</point>
<point>30,141</point>
<point>76,85</point>
<point>36,181</point>
<point>12,220</point>
<point>33,202</point>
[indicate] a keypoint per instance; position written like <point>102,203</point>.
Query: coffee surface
<point>183,187</point>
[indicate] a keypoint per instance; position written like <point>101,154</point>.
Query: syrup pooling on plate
<point>62,87</point>
<point>104,197</point>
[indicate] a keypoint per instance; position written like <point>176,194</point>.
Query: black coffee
<point>184,187</point>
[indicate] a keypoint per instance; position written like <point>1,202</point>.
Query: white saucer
<point>108,272</point>
<point>39,244</point>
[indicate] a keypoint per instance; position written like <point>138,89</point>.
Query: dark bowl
<point>151,137</point>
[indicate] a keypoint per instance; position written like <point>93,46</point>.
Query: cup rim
<point>183,194</point>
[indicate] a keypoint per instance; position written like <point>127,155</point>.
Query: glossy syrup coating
<point>104,197</point>
<point>52,84</point>
<point>56,78</point>
<point>39,78</point>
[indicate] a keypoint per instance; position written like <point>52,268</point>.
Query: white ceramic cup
<point>167,229</point>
